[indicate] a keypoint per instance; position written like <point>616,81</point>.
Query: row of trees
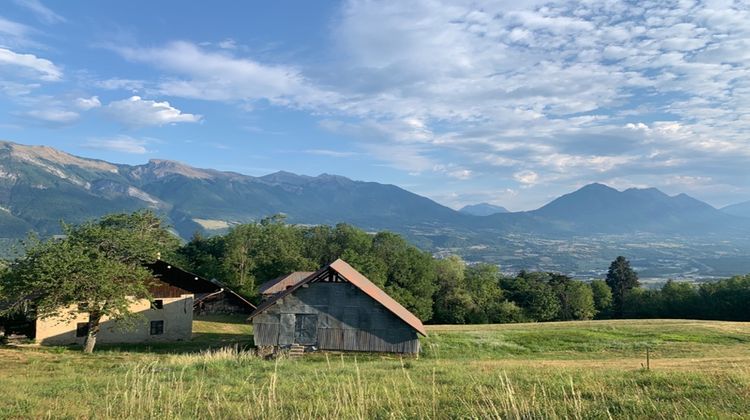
<point>440,290</point>
<point>99,265</point>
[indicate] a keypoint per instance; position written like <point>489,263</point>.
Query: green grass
<point>699,369</point>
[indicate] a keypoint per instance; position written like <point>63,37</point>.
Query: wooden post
<point>648,358</point>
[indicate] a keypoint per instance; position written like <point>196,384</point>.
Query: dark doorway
<point>305,329</point>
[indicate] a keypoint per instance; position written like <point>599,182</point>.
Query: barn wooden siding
<point>346,320</point>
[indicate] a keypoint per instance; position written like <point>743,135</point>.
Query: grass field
<point>699,369</point>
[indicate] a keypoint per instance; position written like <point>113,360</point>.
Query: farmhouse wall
<point>176,314</point>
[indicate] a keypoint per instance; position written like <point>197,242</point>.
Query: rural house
<point>177,295</point>
<point>335,308</point>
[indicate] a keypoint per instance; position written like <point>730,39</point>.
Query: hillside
<point>482,209</point>
<point>39,186</point>
<point>739,209</point>
<point>578,233</point>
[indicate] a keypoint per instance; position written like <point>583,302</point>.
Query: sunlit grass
<point>561,370</point>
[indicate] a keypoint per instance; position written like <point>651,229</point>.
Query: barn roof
<point>279,284</point>
<point>193,283</point>
<point>361,282</point>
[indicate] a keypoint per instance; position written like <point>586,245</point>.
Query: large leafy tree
<point>621,278</point>
<point>98,267</point>
<point>602,295</point>
<point>452,299</point>
<point>410,277</point>
<point>257,252</point>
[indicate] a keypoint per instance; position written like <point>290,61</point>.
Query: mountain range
<point>40,185</point>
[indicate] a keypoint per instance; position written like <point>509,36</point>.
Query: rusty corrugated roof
<point>279,284</point>
<point>361,282</point>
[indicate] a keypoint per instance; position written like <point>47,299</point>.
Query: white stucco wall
<point>177,315</point>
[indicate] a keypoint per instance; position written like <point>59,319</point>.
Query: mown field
<point>699,369</point>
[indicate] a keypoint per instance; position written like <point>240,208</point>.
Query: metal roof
<point>362,283</point>
<point>279,284</point>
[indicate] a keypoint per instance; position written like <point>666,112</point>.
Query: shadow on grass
<point>224,319</point>
<point>200,342</point>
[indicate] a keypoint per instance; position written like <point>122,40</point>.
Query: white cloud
<point>41,68</point>
<point>462,174</point>
<point>526,177</point>
<point>218,75</point>
<point>88,103</point>
<point>44,13</point>
<point>123,84</point>
<point>331,153</point>
<point>13,29</point>
<point>121,144</point>
<point>138,112</point>
<point>53,116</point>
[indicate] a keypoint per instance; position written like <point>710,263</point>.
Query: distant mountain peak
<point>42,155</point>
<point>482,209</point>
<point>285,177</point>
<point>595,186</point>
<point>160,168</point>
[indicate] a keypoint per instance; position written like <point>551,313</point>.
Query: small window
<point>157,304</point>
<point>82,329</point>
<point>157,327</point>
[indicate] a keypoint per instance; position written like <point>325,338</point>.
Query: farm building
<point>168,318</point>
<point>281,283</point>
<point>211,297</point>
<point>335,308</point>
<point>177,295</point>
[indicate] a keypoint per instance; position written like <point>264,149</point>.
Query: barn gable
<point>336,308</point>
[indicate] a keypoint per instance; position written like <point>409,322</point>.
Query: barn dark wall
<point>334,316</point>
<point>222,304</point>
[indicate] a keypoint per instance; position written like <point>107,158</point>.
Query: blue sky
<point>507,102</point>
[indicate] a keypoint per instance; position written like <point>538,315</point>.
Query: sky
<point>507,102</point>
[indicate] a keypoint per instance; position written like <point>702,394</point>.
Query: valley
<point>665,236</point>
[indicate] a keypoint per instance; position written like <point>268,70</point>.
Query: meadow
<point>583,369</point>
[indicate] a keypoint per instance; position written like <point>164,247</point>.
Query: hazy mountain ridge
<point>482,209</point>
<point>739,209</point>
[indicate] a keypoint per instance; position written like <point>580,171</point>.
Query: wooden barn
<point>281,283</point>
<point>335,308</point>
<point>211,297</point>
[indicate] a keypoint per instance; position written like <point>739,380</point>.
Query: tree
<point>621,278</point>
<point>575,298</point>
<point>679,300</point>
<point>602,295</point>
<point>262,251</point>
<point>532,292</point>
<point>484,289</point>
<point>203,256</point>
<point>410,275</point>
<point>97,268</point>
<point>452,300</point>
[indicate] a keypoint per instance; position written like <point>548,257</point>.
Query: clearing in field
<point>699,369</point>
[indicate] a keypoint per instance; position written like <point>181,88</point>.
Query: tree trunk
<point>88,345</point>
